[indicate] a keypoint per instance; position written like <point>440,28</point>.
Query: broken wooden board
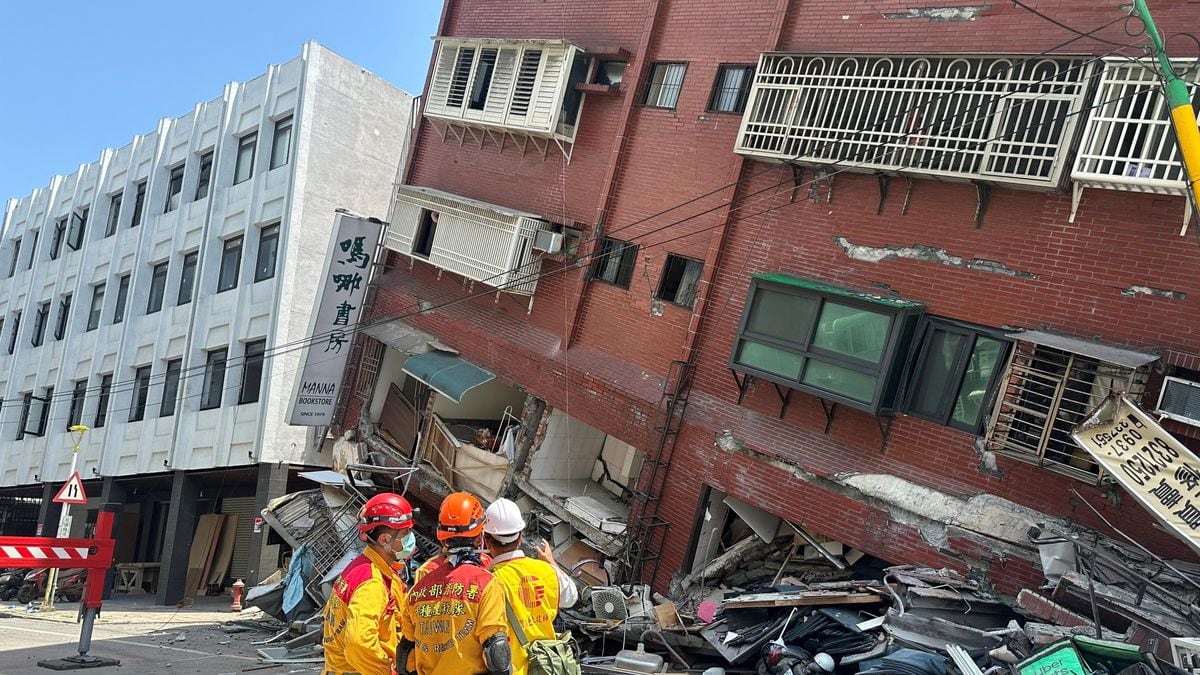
<point>224,554</point>
<point>667,615</point>
<point>801,599</point>
<point>200,554</point>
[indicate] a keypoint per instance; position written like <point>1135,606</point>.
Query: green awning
<point>446,373</point>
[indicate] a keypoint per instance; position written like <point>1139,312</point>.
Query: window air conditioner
<point>548,242</point>
<point>1180,401</point>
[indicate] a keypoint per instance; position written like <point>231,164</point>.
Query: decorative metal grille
<point>1128,143</point>
<point>368,368</point>
<point>1000,119</point>
<point>1046,393</point>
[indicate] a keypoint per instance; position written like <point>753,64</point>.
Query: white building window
<point>174,188</point>
<point>244,167</point>
<point>999,119</point>
<point>231,260</point>
<point>282,142</point>
<point>205,177</point>
<point>214,378</point>
<point>158,288</point>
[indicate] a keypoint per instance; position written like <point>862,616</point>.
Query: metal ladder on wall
<point>648,531</point>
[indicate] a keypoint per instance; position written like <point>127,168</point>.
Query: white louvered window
<point>486,243</point>
<point>510,86</point>
<point>998,119</point>
<point>1047,392</point>
<point>1128,143</point>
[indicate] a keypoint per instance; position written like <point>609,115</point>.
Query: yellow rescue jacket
<point>531,587</point>
<point>361,617</point>
<point>451,612</point>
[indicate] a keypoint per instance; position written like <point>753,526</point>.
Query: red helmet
<point>461,516</point>
<point>387,509</point>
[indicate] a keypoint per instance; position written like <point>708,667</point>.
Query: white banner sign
<point>1154,467</point>
<point>336,313</point>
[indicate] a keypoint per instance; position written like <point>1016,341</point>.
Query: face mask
<point>408,546</point>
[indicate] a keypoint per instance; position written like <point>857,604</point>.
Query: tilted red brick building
<point>958,229</point>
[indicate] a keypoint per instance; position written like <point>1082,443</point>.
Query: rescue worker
<point>363,612</point>
<point>454,622</point>
<point>535,588</point>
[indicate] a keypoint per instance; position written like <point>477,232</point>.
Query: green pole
<point>1183,117</point>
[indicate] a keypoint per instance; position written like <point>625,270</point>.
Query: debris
<point>802,599</point>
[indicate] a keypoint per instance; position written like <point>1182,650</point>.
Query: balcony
<point>1128,143</point>
<point>1005,120</point>
<point>485,243</point>
<point>502,91</point>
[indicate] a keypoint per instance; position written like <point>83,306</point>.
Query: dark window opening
<point>268,249</point>
<point>56,237</point>
<point>158,288</point>
<point>731,89</point>
<point>170,388</point>
<point>114,214</point>
<point>64,315</point>
<point>680,280</point>
<point>205,177</point>
<point>174,188</point>
<point>102,401</point>
<point>16,255</point>
<point>78,396</point>
<point>214,379</point>
<point>16,332</point>
<point>281,143</point>
<point>483,78</point>
<point>231,260</point>
<point>39,324</point>
<point>252,372</point>
<point>956,374</point>
<point>614,261</point>
<point>187,278</point>
<point>78,227</point>
<point>96,307</point>
<point>141,393</point>
<point>426,229</point>
<point>122,296</point>
<point>139,204</point>
<point>244,167</point>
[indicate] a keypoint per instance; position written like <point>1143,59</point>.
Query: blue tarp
<point>446,373</point>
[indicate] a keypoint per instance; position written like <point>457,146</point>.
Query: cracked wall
<point>938,14</point>
<point>923,253</point>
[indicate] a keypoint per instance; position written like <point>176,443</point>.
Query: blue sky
<point>80,75</point>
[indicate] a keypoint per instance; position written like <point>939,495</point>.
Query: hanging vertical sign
<point>336,312</point>
<point>1154,467</point>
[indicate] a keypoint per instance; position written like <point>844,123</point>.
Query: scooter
<point>68,588</point>
<point>10,582</point>
<point>777,658</point>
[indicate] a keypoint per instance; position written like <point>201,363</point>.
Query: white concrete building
<point>139,293</point>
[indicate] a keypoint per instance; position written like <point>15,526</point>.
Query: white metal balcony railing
<point>483,242</point>
<point>996,119</point>
<point>1128,143</point>
<point>508,88</point>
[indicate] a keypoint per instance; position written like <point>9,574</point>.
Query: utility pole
<point>64,517</point>
<point>1183,117</point>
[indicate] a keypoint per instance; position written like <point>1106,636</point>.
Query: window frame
<point>174,187</point>
<point>922,349</point>
<point>662,277</point>
<point>248,140</point>
<point>103,398</point>
<point>139,203</point>
<point>903,317</point>
<point>283,124</point>
<point>267,232</point>
<point>123,282</point>
<point>114,213</point>
<point>228,247</point>
<point>16,257</point>
<point>214,377</point>
<point>170,392</point>
<point>75,233</point>
<point>187,272</point>
<point>41,319</point>
<point>158,281</point>
<point>626,264</point>
<point>59,235</point>
<point>64,316</point>
<point>644,99</point>
<point>78,400</point>
<point>253,359</point>
<point>96,306</point>
<point>141,393</point>
<point>16,332</point>
<point>204,176</point>
<point>743,93</point>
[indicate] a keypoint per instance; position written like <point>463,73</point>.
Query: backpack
<point>547,657</point>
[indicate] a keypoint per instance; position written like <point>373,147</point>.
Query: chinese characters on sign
<point>1148,462</point>
<point>340,293</point>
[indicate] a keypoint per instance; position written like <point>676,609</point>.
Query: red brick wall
<point>611,374</point>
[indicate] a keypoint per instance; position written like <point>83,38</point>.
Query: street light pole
<point>64,517</point>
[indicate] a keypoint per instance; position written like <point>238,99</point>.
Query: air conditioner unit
<point>548,242</point>
<point>1180,401</point>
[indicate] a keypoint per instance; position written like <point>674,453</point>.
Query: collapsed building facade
<point>675,272</point>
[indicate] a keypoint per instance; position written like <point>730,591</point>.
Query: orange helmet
<point>461,517</point>
<point>384,510</point>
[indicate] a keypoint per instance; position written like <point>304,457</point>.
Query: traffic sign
<point>72,491</point>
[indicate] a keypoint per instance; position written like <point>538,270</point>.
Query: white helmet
<point>504,521</point>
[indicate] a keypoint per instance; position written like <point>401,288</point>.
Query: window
<point>252,372</point>
<point>40,318</point>
<point>956,373</point>
<point>426,230</point>
<point>26,404</point>
<point>835,343</point>
<point>56,239</point>
<point>214,379</point>
<point>96,307</point>
<point>78,396</point>
<point>170,388</point>
<point>1047,391</point>
<point>174,188</point>
<point>268,249</point>
<point>281,143</point>
<point>680,280</point>
<point>158,288</point>
<point>16,332</point>
<point>666,79</point>
<point>33,250</point>
<point>614,262</point>
<point>205,177</point>
<point>122,297</point>
<point>64,315</point>
<point>16,255</point>
<point>731,89</point>
<point>35,413</point>
<point>231,260</point>
<point>244,168</point>
<point>139,203</point>
<point>462,73</point>
<point>483,77</point>
<point>102,401</point>
<point>78,227</point>
<point>114,214</point>
<point>187,279</point>
<point>141,392</point>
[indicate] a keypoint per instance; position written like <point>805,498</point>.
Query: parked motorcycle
<point>10,582</point>
<point>68,588</point>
